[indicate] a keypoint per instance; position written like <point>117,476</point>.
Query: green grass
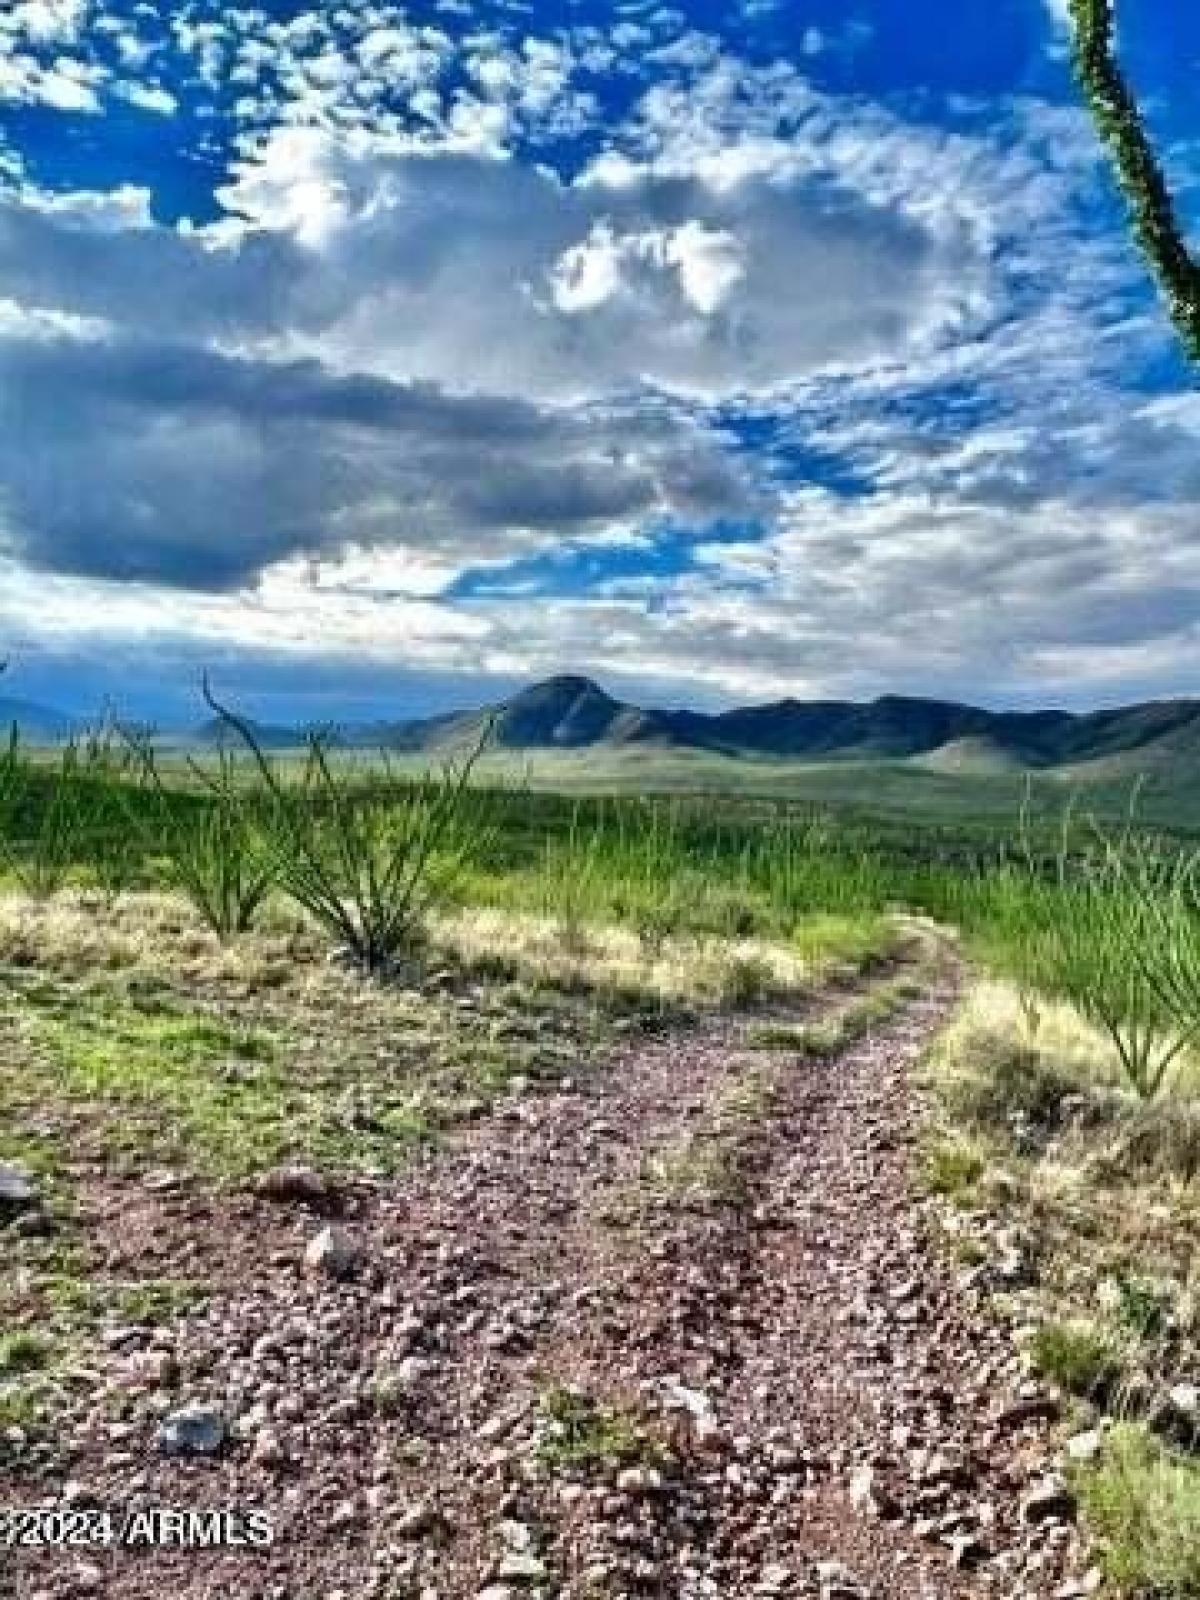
<point>1142,1501</point>
<point>1078,1356</point>
<point>829,1036</point>
<point>579,1434</point>
<point>156,1301</point>
<point>24,1351</point>
<point>953,1168</point>
<point>178,1086</point>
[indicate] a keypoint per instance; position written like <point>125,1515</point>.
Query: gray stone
<point>17,1190</point>
<point>194,1431</point>
<point>1048,1501</point>
<point>522,1567</point>
<point>333,1252</point>
<point>1085,1446</point>
<point>301,1185</point>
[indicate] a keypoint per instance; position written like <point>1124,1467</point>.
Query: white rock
<point>16,1187</point>
<point>1085,1446</point>
<point>1185,1397</point>
<point>522,1566</point>
<point>334,1252</point>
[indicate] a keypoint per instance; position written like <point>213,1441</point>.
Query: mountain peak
<point>567,710</point>
<point>562,686</point>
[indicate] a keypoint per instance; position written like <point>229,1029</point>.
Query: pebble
<point>17,1189</point>
<point>333,1252</point>
<point>194,1431</point>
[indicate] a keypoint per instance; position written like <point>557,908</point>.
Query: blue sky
<point>384,357</point>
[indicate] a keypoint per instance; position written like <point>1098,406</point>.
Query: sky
<point>382,358</point>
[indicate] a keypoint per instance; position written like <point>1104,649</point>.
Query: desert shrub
<point>952,1168</point>
<point>997,1081</point>
<point>1142,1501</point>
<point>722,910</point>
<point>45,809</point>
<point>746,980</point>
<point>579,1433</point>
<point>215,845</point>
<point>369,855</point>
<point>1160,1140</point>
<point>23,1351</point>
<point>1079,1356</point>
<point>1142,1305</point>
<point>1117,938</point>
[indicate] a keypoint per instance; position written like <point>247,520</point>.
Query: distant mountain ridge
<point>573,713</point>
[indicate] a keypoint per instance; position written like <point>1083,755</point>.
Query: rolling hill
<point>573,717</point>
<point>572,713</point>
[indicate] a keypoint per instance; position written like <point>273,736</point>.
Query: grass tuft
<point>1080,1357</point>
<point>580,1434</point>
<point>1143,1502</point>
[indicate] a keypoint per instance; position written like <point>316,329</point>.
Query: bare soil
<point>667,1328</point>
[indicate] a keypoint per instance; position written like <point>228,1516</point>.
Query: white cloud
<point>410,346</point>
<point>707,281</point>
<point>148,97</point>
<point>706,264</point>
<point>46,21</point>
<point>64,84</point>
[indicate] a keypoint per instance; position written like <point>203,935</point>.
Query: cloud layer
<point>457,297</point>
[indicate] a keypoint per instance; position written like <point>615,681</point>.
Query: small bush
<point>216,846</point>
<point>44,810</point>
<point>367,857</point>
<point>23,1351</point>
<point>1001,1080</point>
<point>1160,1140</point>
<point>1142,1501</point>
<point>579,1433</point>
<point>747,980</point>
<point>953,1168</point>
<point>1117,936</point>
<point>1079,1357</point>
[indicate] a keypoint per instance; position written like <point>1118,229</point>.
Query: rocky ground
<point>666,1328</point>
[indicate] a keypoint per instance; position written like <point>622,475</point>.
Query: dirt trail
<point>670,1330</point>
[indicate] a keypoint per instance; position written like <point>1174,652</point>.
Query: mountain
<point>573,713</point>
<point>219,735</point>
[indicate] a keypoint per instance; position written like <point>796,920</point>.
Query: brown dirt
<point>776,1387</point>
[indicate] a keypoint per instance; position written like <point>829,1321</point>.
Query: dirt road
<point>668,1330</point>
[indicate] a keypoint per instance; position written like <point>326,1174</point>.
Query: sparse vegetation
<point>367,855</point>
<point>216,849</point>
<point>1143,1500</point>
<point>579,1433</point>
<point>1066,1181</point>
<point>23,1351</point>
<point>1079,1357</point>
<point>491,936</point>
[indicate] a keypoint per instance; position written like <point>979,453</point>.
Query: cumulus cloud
<point>447,311</point>
<point>704,263</point>
<point>409,266</point>
<point>125,459</point>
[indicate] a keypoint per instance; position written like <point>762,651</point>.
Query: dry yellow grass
<point>706,971</point>
<point>160,934</point>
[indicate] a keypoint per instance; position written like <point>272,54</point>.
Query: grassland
<point>209,970</point>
